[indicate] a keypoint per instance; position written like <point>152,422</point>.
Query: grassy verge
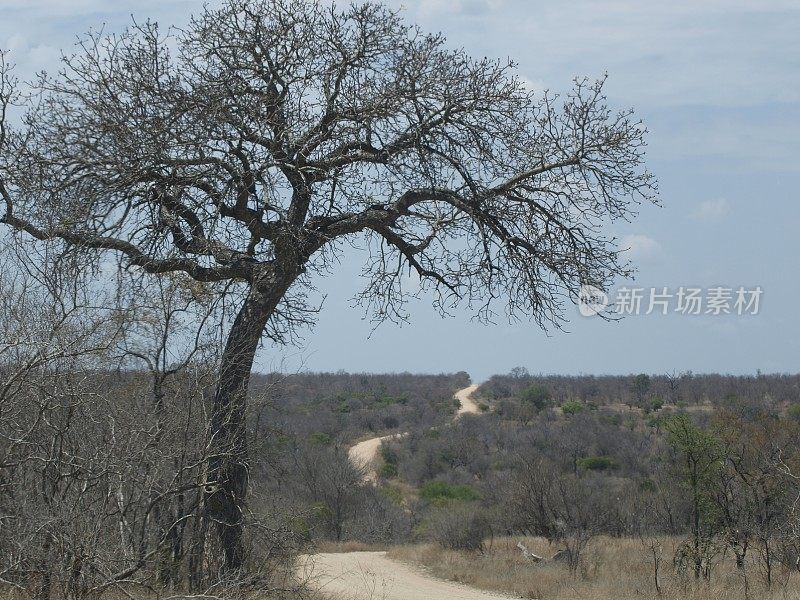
<point>612,569</point>
<point>341,547</point>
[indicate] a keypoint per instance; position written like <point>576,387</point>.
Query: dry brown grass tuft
<point>612,569</point>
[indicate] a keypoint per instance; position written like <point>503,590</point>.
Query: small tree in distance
<point>537,395</point>
<point>248,148</point>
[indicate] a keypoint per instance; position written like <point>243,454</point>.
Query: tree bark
<point>227,473</point>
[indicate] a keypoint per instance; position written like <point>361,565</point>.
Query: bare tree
<point>247,148</point>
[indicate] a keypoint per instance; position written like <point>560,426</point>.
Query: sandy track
<point>365,453</point>
<point>373,576</point>
<point>468,405</point>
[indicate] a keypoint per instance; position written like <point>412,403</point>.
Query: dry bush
<point>456,527</point>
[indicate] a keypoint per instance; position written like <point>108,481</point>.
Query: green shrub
<point>794,412</point>
<point>320,438</point>
<point>597,463</point>
<point>300,527</point>
<point>573,407</point>
<point>537,395</point>
<point>388,454</point>
<point>440,492</point>
<point>392,494</point>
<point>387,400</point>
<point>388,470</point>
<point>320,510</point>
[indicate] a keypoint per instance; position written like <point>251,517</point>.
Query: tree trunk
<point>227,474</point>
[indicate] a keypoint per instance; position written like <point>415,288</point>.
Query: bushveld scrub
<point>611,569</point>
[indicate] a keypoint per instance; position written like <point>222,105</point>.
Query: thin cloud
<point>639,247</point>
<point>457,7</point>
<point>711,210</point>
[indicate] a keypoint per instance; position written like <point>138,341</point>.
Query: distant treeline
<point>676,388</point>
<point>346,406</point>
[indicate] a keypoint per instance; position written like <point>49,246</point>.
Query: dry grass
<point>323,547</point>
<point>613,569</point>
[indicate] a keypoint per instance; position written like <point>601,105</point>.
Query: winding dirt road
<point>366,452</point>
<point>467,403</point>
<point>373,576</point>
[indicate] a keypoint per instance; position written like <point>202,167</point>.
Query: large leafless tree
<point>246,149</point>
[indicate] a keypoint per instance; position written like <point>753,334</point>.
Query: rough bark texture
<point>228,474</point>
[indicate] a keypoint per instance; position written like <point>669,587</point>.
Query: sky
<point>717,83</point>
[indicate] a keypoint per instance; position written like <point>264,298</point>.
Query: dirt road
<point>366,452</point>
<point>373,576</point>
<point>468,405</point>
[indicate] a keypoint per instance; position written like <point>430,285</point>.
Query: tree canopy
<point>265,132</point>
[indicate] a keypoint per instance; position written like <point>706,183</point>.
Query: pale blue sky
<point>718,84</point>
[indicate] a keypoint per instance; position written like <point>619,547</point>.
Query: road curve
<point>365,453</point>
<point>468,405</point>
<point>373,576</point>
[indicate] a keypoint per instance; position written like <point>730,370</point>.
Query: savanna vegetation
<point>208,177</point>
<point>172,198</point>
<point>652,485</point>
<point>675,486</point>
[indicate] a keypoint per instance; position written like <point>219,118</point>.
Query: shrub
<point>573,407</point>
<point>388,454</point>
<point>390,422</point>
<point>388,470</point>
<point>537,395</point>
<point>597,463</point>
<point>392,494</point>
<point>320,438</point>
<point>440,492</point>
<point>612,419</point>
<point>461,529</point>
<point>388,400</point>
<point>647,485</point>
<point>320,510</point>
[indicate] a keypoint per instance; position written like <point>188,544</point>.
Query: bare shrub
<point>459,527</point>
